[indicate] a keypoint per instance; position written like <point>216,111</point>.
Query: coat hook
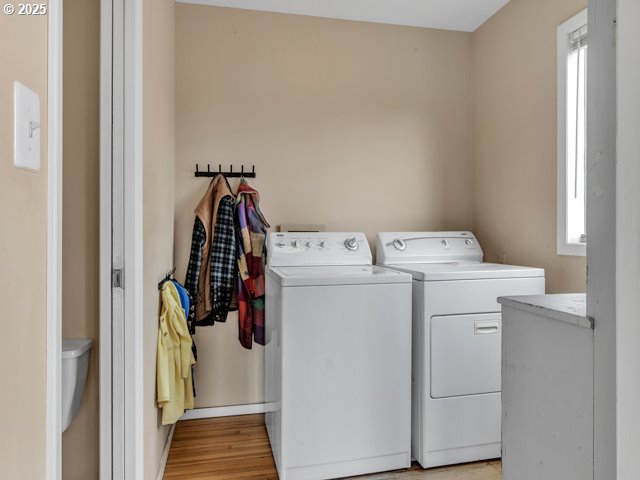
<point>230,173</point>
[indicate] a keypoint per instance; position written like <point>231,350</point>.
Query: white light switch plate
<point>26,120</point>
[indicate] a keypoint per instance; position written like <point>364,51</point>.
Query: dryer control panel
<point>393,248</point>
<point>289,249</point>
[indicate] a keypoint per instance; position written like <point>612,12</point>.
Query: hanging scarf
<point>251,232</point>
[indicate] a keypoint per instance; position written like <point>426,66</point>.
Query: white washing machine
<point>337,358</point>
<point>456,405</point>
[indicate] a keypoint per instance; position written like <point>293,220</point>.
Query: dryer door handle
<point>486,328</point>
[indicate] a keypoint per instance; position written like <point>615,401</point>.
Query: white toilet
<point>75,363</point>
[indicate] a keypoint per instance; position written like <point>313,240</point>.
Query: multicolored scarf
<point>251,232</point>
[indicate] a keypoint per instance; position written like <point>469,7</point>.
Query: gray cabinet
<point>547,388</point>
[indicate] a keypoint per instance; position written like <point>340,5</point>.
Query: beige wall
<point>23,257</point>
<point>353,125</point>
<point>514,92</point>
<point>332,114</point>
<point>80,235</point>
<point>159,199</point>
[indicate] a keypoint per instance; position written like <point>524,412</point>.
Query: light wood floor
<point>238,448</point>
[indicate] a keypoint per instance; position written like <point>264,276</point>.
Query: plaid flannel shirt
<point>198,238</point>
<point>223,261</point>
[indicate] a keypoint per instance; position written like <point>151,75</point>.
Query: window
<point>572,115</point>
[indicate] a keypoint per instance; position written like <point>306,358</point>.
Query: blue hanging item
<point>190,314</point>
<point>184,298</point>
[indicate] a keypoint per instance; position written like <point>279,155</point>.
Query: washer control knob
<point>295,243</point>
<point>399,244</point>
<point>469,242</point>
<point>323,244</point>
<point>280,244</point>
<point>351,244</point>
<point>445,243</point>
<point>311,244</point>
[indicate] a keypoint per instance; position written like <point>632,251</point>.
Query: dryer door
<point>465,355</point>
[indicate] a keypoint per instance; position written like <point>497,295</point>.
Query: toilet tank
<point>75,364</point>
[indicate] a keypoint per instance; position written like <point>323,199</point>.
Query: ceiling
<point>463,15</point>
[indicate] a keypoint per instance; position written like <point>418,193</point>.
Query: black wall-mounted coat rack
<point>230,173</point>
<point>168,276</point>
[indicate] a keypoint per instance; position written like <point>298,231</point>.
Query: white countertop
<point>570,308</point>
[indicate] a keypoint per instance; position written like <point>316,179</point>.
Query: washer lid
<point>466,271</point>
<point>336,275</point>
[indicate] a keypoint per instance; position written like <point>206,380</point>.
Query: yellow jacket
<point>175,358</point>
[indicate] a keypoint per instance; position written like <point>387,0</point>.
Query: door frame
<point>105,240</point>
<point>121,240</point>
<point>627,197</point>
<point>53,429</point>
<point>602,225</point>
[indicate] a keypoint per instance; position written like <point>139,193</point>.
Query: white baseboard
<point>165,453</point>
<point>229,411</point>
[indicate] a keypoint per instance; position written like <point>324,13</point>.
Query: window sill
<point>572,249</point>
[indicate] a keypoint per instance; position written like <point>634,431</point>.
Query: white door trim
<point>106,66</point>
<point>601,229</point>
<point>133,242</point>
<point>121,235</point>
<point>627,258</point>
<point>54,243</point>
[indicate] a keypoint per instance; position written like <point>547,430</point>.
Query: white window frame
<point>564,30</point>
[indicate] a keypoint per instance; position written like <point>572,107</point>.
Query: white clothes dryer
<point>456,359</point>
<point>337,358</point>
